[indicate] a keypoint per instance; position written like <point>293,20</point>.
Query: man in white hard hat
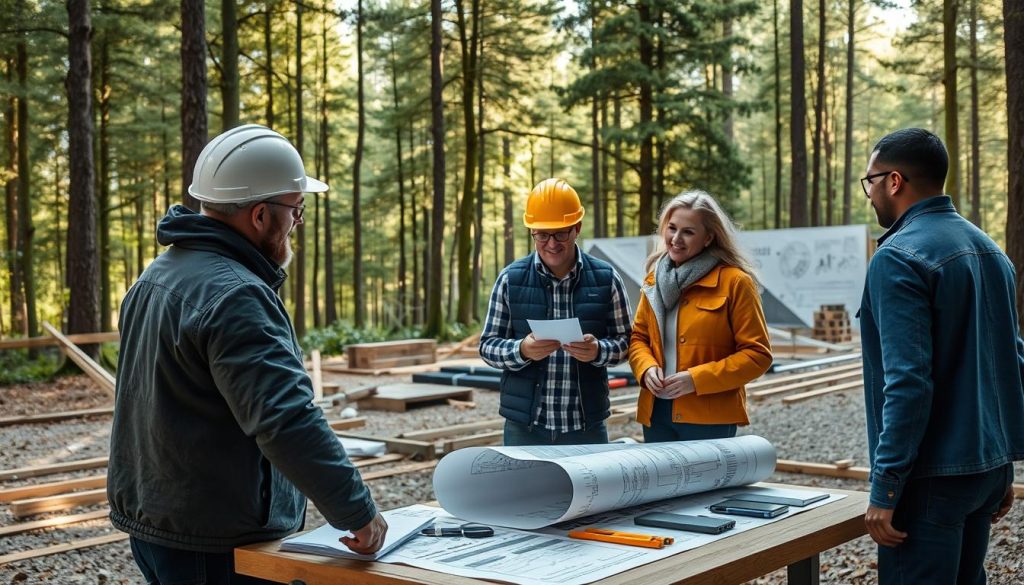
<point>216,442</point>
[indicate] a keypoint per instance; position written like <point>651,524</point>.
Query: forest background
<point>432,119</point>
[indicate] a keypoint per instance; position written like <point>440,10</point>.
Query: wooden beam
<point>769,392</point>
<point>388,458</point>
<point>77,338</point>
<point>778,380</point>
<point>344,424</point>
<point>95,371</point>
<point>317,376</point>
<point>398,445</point>
<point>822,391</point>
<point>472,441</point>
<point>54,416</point>
<point>827,469</point>
<point>815,363</point>
<point>443,355</point>
<point>31,506</point>
<point>6,531</point>
<point>37,470</point>
<point>411,468</point>
<point>62,548</point>
<point>454,430</point>
<point>49,489</point>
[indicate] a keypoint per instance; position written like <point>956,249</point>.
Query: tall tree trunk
<point>797,126</point>
<point>18,317</point>
<point>1013,29</point>
<point>330,300</point>
<point>606,189</point>
<point>949,73</point>
<point>229,64</point>
<point>193,92</point>
<point>299,317</point>
<point>416,315</point>
<point>828,136</point>
<point>595,134</point>
<point>481,157</point>
<point>103,203</point>
<point>434,277</point>
<point>819,110</point>
<point>727,89</point>
<point>778,116</point>
<point>848,130</point>
<point>620,192</point>
<point>402,276</point>
<point>975,124</point>
<point>268,73</point>
<point>357,164</point>
<point>469,42</point>
<point>510,223</point>
<point>645,220</point>
<point>83,310</point>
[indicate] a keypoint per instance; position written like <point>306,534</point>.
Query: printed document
<point>324,540</point>
<point>534,487</point>
<point>563,330</point>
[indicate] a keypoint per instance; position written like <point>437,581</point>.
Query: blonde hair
<point>723,246</point>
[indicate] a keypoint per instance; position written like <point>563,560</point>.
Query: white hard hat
<point>249,163</point>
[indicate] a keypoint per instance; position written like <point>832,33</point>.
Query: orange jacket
<point>722,341</point>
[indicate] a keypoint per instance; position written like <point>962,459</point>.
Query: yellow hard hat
<point>551,205</point>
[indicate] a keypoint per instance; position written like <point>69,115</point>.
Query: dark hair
<point>918,153</point>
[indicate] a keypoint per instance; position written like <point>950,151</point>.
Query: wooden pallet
<point>390,354</point>
<point>399,397</point>
<point>832,324</point>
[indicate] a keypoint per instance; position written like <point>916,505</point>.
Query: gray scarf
<point>671,280</point>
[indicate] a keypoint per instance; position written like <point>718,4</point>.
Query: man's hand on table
<point>368,539</point>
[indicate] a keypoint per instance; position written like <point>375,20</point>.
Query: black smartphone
<point>703,524</point>
<point>799,502</point>
<point>744,508</point>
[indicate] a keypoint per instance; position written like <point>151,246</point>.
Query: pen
<point>614,536</point>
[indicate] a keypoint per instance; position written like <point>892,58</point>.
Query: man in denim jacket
<point>943,370</point>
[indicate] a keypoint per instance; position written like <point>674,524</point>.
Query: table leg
<point>805,572</point>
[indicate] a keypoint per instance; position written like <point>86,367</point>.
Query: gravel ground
<point>824,429</point>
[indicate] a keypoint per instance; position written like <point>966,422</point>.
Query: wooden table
<point>793,542</point>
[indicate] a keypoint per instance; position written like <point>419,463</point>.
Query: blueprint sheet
<point>550,557</point>
<point>533,487</point>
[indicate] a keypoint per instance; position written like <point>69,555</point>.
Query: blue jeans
<point>663,430</point>
<point>947,520</point>
<point>517,435</point>
<point>161,565</point>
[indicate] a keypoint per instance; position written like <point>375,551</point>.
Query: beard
<point>277,246</point>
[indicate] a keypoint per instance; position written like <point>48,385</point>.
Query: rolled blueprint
<point>534,487</point>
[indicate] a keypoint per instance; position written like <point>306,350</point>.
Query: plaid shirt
<point>560,408</point>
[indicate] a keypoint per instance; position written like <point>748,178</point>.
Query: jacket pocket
<point>710,303</point>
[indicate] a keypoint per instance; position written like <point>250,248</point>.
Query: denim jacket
<point>943,358</point>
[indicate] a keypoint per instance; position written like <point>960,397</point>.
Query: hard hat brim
<point>569,221</point>
<point>314,186</point>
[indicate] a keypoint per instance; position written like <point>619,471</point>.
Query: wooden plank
<point>454,430</point>
<point>779,380</point>
<point>621,417</point>
<point>317,376</point>
<point>815,363</point>
<point>388,458</point>
<point>53,522</point>
<point>54,416</point>
<point>62,548</point>
<point>37,470</point>
<point>443,355</point>
<point>402,370</point>
<point>344,424</point>
<point>822,391</point>
<point>769,392</point>
<point>827,469</point>
<point>95,371</point>
<point>1018,491</point>
<point>472,441</point>
<point>397,445</point>
<point>411,468</point>
<point>31,506</point>
<point>398,397</point>
<point>76,338</point>
<point>392,353</point>
<point>49,489</point>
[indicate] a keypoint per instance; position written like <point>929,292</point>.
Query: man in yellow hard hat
<point>554,394</point>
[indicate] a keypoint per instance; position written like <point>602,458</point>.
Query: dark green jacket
<point>214,431</point>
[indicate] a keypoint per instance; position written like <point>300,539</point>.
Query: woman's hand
<point>653,380</point>
<point>678,384</point>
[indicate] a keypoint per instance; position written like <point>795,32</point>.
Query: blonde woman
<point>699,334</point>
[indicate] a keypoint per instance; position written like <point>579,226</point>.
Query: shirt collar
<point>938,203</point>
<point>543,268</point>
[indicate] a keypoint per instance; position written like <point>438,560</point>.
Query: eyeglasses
<point>866,182</point>
<point>298,209</point>
<point>543,237</point>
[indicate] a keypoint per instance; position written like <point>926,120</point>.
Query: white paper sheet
<point>563,330</point>
<point>550,557</point>
<point>324,540</point>
<point>363,447</point>
<point>534,487</point>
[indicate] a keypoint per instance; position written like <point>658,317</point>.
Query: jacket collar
<point>936,204</point>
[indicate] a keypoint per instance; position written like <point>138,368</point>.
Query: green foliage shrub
<point>17,366</point>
